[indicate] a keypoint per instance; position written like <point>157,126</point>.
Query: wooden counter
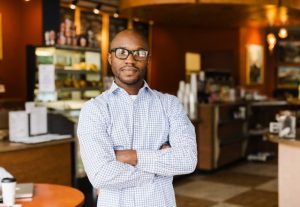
<point>294,102</point>
<point>221,138</point>
<point>48,162</point>
<point>290,142</point>
<point>288,170</point>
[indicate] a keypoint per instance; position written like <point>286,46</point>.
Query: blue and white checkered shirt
<point>115,121</point>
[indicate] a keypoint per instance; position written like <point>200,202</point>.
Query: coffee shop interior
<point>234,65</point>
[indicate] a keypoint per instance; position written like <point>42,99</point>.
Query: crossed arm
<point>130,156</point>
<point>121,169</point>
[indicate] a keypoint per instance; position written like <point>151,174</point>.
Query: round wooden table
<point>50,195</point>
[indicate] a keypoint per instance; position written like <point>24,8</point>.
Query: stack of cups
<point>8,191</point>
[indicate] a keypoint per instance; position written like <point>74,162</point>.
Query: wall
<point>218,47</point>
<point>21,25</point>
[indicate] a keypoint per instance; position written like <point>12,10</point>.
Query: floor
<point>245,184</point>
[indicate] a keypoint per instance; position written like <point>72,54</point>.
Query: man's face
<point>128,71</point>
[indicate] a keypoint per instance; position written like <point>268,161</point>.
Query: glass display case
<point>67,73</point>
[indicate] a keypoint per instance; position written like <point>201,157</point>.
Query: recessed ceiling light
<point>116,15</point>
<point>73,4</point>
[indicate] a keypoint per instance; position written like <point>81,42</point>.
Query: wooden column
<point>104,43</point>
<point>130,24</point>
<point>77,20</point>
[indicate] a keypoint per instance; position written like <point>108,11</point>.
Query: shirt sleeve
<point>181,158</point>
<point>97,153</point>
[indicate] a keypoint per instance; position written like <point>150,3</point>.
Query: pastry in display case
<point>72,72</point>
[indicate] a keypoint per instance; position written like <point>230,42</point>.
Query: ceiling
<point>212,15</point>
<point>106,5</point>
<point>203,14</point>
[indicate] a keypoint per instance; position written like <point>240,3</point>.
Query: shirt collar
<point>114,87</point>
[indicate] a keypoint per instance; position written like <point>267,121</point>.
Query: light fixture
<point>271,39</point>
<point>2,87</point>
<point>283,33</point>
<point>277,16</point>
<point>151,22</point>
<point>73,4</point>
<point>116,14</point>
<point>96,10</point>
<point>136,19</point>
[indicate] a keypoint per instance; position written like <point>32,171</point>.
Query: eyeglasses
<point>138,55</point>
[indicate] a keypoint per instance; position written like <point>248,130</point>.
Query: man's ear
<point>109,58</point>
<point>149,60</point>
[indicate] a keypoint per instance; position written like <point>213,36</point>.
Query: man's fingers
<point>165,146</point>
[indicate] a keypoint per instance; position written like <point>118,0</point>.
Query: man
<point>133,139</point>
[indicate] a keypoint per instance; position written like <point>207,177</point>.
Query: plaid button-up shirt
<point>116,121</point>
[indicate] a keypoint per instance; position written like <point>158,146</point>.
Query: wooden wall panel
<point>21,24</point>
<point>169,44</point>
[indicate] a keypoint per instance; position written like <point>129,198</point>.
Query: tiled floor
<point>246,184</point>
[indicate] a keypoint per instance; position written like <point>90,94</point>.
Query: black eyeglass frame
<point>132,52</point>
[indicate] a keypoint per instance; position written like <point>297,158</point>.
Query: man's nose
<point>130,58</point>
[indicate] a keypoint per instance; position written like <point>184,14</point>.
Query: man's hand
<point>165,146</point>
<point>127,156</point>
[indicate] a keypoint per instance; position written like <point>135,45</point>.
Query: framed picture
<point>289,51</point>
<point>288,76</point>
<point>254,64</point>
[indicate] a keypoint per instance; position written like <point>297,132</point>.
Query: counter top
<point>269,103</point>
<point>275,138</point>
<point>6,146</point>
<point>294,101</point>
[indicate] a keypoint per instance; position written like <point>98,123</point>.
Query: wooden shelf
<point>80,89</point>
<point>74,71</point>
<point>73,48</point>
<point>289,64</point>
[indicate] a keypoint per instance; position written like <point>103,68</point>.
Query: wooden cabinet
<point>49,162</point>
<point>221,134</point>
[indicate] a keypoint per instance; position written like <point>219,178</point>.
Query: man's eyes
<point>141,53</point>
<point>122,51</point>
